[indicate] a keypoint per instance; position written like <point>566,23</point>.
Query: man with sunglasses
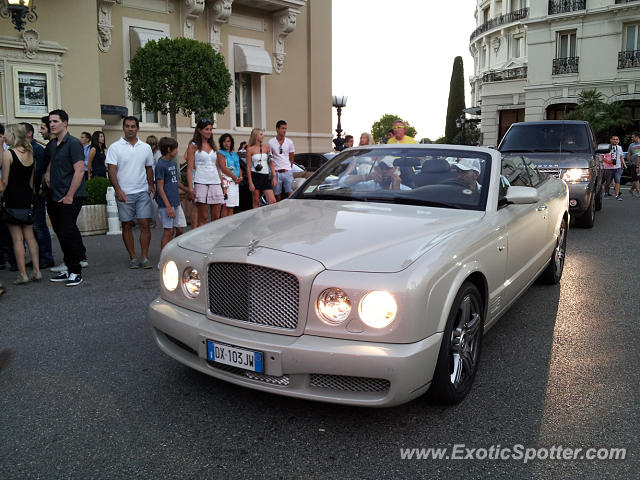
<point>282,151</point>
<point>399,130</point>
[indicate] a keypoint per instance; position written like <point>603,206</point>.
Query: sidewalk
<point>108,263</point>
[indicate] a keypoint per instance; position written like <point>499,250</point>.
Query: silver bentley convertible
<point>373,283</point>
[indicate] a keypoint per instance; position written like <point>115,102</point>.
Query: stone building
<point>533,58</point>
<point>74,56</point>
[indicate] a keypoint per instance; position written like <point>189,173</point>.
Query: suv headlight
<point>576,175</point>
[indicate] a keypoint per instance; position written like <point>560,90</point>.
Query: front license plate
<point>234,356</point>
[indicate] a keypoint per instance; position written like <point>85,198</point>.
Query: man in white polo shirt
<point>130,164</point>
<point>282,151</point>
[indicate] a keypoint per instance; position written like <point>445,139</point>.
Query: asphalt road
<point>88,395</point>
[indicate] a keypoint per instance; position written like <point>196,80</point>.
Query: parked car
<point>312,161</point>
<point>360,289</point>
<point>565,149</point>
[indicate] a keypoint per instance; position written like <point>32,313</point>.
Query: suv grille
<point>554,172</point>
<point>253,294</point>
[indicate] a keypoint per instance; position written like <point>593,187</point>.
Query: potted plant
<point>92,219</point>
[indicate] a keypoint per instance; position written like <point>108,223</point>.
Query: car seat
<point>432,172</point>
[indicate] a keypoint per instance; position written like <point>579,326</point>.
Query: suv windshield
<point>438,177</point>
<point>552,137</point>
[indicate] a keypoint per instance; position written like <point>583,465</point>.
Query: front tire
<point>599,198</point>
<point>553,273</point>
<point>588,218</point>
<point>460,348</point>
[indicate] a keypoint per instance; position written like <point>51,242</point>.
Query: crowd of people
<point>36,179</point>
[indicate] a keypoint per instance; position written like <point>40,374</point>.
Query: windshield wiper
<point>419,202</point>
<point>332,196</point>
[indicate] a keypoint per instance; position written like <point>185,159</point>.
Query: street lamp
<point>339,102</point>
<point>18,10</point>
<point>460,121</point>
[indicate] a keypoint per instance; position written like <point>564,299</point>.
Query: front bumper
<point>581,193</point>
<point>310,367</point>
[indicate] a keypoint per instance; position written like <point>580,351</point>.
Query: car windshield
<point>552,137</point>
<point>438,177</point>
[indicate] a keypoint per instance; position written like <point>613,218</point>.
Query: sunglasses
<point>280,150</point>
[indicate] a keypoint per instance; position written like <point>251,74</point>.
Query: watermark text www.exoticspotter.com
<point>516,452</point>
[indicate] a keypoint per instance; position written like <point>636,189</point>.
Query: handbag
<point>22,215</point>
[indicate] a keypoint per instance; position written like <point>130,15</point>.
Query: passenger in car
<point>468,170</point>
<point>383,176</point>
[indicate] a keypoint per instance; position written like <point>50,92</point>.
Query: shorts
<point>284,183</point>
<point>614,174</point>
<point>138,205</point>
<point>210,194</point>
<point>179,221</point>
<point>233,195</point>
<point>261,181</point>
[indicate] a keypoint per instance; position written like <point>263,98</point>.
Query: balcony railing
<point>502,75</point>
<point>564,6</point>
<point>629,59</point>
<point>565,65</point>
<point>501,20</point>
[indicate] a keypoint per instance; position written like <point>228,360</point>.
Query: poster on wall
<point>32,93</point>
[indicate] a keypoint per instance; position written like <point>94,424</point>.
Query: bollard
<point>112,213</point>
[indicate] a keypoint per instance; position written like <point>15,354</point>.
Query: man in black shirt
<point>65,176</point>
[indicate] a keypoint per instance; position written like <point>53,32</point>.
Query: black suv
<point>566,149</point>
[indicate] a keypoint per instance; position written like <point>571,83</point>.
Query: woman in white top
<point>203,175</point>
<point>258,167</point>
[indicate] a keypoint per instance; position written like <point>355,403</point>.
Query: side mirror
<point>603,148</point>
<point>522,195</point>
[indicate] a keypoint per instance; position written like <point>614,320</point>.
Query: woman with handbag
<point>258,168</point>
<point>17,200</point>
<point>229,165</point>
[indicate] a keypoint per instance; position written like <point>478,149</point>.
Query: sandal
<point>21,280</point>
<point>35,276</point>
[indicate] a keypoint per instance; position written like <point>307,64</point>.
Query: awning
<point>138,37</point>
<point>248,58</point>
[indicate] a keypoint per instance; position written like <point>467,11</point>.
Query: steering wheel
<point>455,181</point>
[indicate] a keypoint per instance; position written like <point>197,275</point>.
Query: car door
<point>527,230</point>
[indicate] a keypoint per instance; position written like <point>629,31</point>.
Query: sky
<point>396,57</point>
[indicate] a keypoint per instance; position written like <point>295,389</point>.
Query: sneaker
<point>146,264</point>
<point>61,277</point>
<point>619,197</point>
<point>74,279</point>
<point>134,263</point>
<point>59,269</point>
<point>84,263</point>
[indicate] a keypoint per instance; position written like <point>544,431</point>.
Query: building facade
<point>76,53</point>
<point>532,59</point>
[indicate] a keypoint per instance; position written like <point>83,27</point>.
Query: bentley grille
<point>254,294</point>
<point>349,384</point>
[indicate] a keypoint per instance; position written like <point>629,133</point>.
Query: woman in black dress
<point>97,156</point>
<point>17,180</point>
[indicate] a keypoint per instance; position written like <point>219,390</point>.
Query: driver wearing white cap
<point>468,170</point>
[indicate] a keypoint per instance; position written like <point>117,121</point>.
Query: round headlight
<point>378,309</point>
<point>170,275</point>
<point>334,306</point>
<point>191,282</point>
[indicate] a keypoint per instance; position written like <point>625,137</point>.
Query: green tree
<point>380,128</point>
<point>606,119</point>
<point>456,100</point>
<point>174,75</point>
